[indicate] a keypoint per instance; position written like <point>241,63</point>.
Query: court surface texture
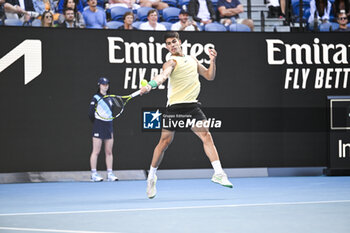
<point>317,204</point>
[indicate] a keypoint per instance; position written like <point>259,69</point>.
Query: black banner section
<point>251,120</point>
<point>339,136</point>
<point>48,77</point>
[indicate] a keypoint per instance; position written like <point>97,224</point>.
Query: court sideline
<point>266,204</point>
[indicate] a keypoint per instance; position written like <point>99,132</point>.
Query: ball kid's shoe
<point>95,177</point>
<point>111,177</point>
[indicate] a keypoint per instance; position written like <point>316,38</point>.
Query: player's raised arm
<point>209,73</point>
<point>168,67</point>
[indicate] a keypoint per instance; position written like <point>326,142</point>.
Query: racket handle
<point>134,94</point>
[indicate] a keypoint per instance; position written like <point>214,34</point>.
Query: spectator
<point>202,11</point>
<point>7,8</point>
<point>26,5</point>
<point>2,11</point>
<point>94,18</point>
<point>158,4</point>
<point>152,23</point>
<point>277,9</point>
<point>47,19</point>
<point>78,17</point>
<point>321,9</point>
<point>128,20</point>
<point>184,24</point>
<point>229,13</point>
<point>63,4</point>
<point>15,9</point>
<point>69,19</point>
<point>131,4</point>
<point>342,5</point>
<point>343,22</point>
<point>41,6</point>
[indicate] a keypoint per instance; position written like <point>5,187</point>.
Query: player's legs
<point>208,143</point>
<point>211,152</point>
<point>165,140</point>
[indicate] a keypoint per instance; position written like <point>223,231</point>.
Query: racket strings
<point>110,107</point>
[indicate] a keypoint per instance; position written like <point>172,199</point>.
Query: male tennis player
<point>183,90</point>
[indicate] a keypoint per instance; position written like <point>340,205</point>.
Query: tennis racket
<point>110,107</point>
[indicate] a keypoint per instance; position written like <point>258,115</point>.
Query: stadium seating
<point>237,27</point>
<point>215,27</point>
<point>172,3</point>
<point>13,22</point>
<point>171,14</point>
<point>306,9</point>
<point>118,12</point>
<point>114,24</point>
<point>335,26</point>
<point>325,27</point>
<point>36,23</point>
<point>137,24</point>
<point>167,25</point>
<point>142,13</point>
<point>182,3</point>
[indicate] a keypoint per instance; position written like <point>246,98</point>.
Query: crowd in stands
<point>189,15</point>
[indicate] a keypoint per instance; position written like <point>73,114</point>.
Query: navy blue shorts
<point>102,129</point>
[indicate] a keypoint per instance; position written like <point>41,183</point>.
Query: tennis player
<point>183,89</point>
<point>102,131</point>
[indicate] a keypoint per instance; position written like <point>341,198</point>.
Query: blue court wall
<point>48,77</point>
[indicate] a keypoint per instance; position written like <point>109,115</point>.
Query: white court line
<point>50,230</point>
<point>179,208</point>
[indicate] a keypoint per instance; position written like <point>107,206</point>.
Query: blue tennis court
<point>269,204</point>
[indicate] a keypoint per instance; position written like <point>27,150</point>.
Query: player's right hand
<point>145,89</point>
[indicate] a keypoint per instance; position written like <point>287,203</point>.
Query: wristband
<point>153,84</point>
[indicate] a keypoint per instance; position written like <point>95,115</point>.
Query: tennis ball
<point>144,82</point>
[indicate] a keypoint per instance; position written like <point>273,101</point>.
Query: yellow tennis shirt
<point>183,84</point>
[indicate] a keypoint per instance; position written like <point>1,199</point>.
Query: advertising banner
<point>270,94</point>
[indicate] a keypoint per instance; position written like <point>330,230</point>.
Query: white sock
<point>217,167</point>
<point>109,171</point>
<point>93,171</point>
<point>152,172</point>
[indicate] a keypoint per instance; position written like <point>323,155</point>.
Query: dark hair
<point>337,4</point>
<point>75,7</point>
<point>128,13</point>
<point>319,7</point>
<point>151,12</point>
<point>98,90</point>
<point>67,9</point>
<point>171,34</point>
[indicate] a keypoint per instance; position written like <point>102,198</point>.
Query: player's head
<point>103,84</point>
<point>173,43</point>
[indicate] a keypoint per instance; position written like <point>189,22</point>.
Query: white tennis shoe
<point>95,177</point>
<point>221,178</point>
<point>151,187</point>
<point>111,177</point>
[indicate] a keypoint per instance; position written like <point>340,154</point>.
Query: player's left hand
<point>212,54</point>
